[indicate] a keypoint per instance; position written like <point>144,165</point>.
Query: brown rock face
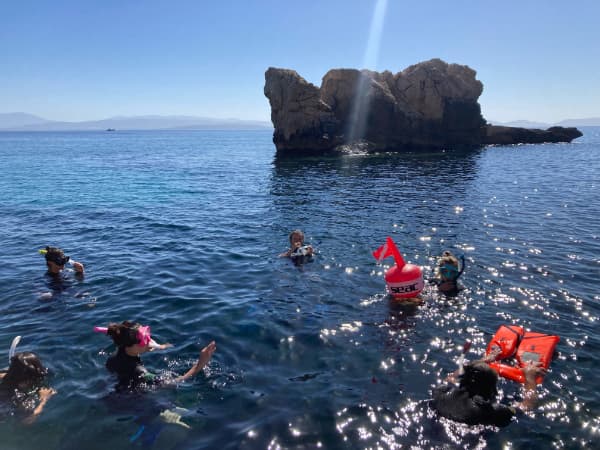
<point>298,111</point>
<point>432,105</point>
<point>513,135</point>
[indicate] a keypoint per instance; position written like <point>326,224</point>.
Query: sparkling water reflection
<point>181,230</point>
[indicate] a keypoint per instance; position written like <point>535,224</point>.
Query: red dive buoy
<point>403,280</point>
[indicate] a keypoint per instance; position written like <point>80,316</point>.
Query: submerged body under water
<point>182,231</point>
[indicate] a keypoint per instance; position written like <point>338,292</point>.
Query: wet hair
<point>25,367</point>
<point>56,255</point>
<point>480,379</point>
<point>124,334</point>
<point>448,258</point>
<point>294,233</point>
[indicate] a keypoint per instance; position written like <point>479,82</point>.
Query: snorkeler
<point>56,260</point>
<point>297,248</point>
<point>132,340</point>
<point>58,279</point>
<point>19,383</point>
<point>448,271</point>
<point>473,401</point>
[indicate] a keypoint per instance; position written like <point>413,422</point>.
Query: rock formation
<point>430,105</point>
<point>512,135</point>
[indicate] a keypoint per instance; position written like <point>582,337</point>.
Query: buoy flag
<point>389,249</point>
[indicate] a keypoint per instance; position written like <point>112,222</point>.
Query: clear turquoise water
<point>181,231</point>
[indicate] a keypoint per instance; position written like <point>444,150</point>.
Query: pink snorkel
<point>143,335</point>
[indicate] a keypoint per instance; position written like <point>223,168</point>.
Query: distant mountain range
<point>28,122</point>
<point>589,122</point>
<point>20,121</point>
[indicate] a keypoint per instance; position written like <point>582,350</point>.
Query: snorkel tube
<point>13,348</point>
<point>462,264</point>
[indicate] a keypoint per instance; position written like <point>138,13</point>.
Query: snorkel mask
<point>143,335</point>
<point>449,271</point>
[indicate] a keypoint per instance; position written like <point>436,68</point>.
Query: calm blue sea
<point>181,231</point>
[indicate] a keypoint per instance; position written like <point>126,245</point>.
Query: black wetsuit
<point>454,403</point>
<point>129,369</point>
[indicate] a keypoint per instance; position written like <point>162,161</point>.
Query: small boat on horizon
<point>111,129</point>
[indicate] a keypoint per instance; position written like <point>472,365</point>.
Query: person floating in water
<point>447,273</point>
<point>298,250</point>
<point>56,260</point>
<point>19,384</point>
<point>473,401</point>
<point>133,340</point>
<point>58,279</point>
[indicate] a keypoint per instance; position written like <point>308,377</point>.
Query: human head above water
<point>55,258</point>
<point>479,379</point>
<point>448,266</point>
<point>128,333</point>
<point>25,371</point>
<point>296,238</point>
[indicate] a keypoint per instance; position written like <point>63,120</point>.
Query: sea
<point>182,231</point>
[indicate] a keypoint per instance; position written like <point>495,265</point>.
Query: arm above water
<point>156,346</point>
<point>205,355</point>
<point>530,396</point>
<point>45,395</point>
<point>77,266</point>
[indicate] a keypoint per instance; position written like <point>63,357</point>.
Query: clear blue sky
<point>90,59</point>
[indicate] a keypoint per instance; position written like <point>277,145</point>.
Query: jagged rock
<point>431,105</point>
<point>514,135</point>
<point>302,118</point>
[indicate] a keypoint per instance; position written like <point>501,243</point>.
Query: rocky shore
<point>430,105</point>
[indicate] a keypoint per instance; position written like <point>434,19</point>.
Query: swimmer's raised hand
<point>492,355</point>
<point>78,267</point>
<point>532,370</point>
<point>206,353</point>
<point>46,393</point>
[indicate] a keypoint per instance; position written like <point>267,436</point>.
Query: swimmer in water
<point>133,340</point>
<point>447,273</point>
<point>297,247</point>
<point>58,279</point>
<point>56,260</point>
<point>20,383</point>
<point>473,401</point>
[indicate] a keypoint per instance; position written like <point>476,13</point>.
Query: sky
<point>91,59</point>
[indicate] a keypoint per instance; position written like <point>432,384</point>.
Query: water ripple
<point>181,231</point>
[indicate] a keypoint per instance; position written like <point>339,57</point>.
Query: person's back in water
<point>474,402</point>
